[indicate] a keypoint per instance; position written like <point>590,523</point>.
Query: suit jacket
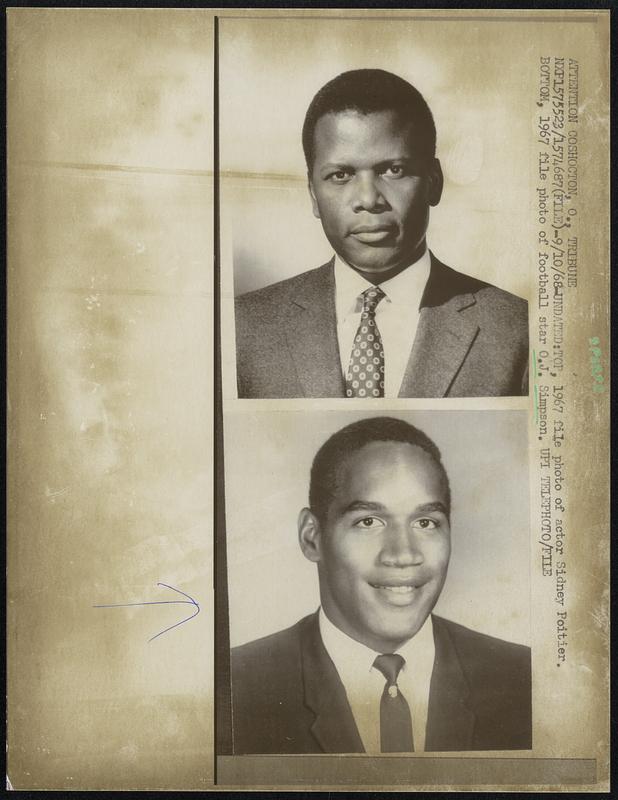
<point>471,341</point>
<point>287,696</point>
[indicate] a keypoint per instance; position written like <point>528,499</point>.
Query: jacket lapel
<point>447,327</point>
<point>333,727</point>
<point>311,331</point>
<point>450,718</point>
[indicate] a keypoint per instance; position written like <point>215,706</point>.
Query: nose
<point>400,548</point>
<point>367,193</point>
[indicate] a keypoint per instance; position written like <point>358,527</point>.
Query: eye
<point>369,523</point>
<point>394,171</point>
<point>425,524</point>
<point>340,176</point>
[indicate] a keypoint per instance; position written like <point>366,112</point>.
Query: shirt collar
<point>420,649</point>
<point>406,288</point>
<point>354,660</point>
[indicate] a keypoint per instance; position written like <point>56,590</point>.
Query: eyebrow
<point>368,505</point>
<point>336,165</point>
<point>397,159</point>
<point>379,165</point>
<point>427,508</point>
<point>363,505</point>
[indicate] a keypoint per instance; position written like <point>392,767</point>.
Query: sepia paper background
<point>110,323</point>
<point>109,393</point>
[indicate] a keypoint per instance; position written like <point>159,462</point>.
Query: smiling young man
<point>370,145</point>
<point>373,670</point>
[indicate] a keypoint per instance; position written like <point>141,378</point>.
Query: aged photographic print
<point>308,391</point>
<point>385,147</point>
<point>373,670</point>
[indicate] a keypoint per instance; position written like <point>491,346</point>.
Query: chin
<point>378,260</point>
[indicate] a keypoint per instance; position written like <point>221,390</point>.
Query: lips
<point>368,234</point>
<point>397,592</point>
<point>398,581</point>
<point>397,589</point>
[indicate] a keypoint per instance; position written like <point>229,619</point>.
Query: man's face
<point>384,548</point>
<point>372,190</point>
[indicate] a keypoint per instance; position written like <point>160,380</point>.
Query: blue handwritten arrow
<point>189,602</point>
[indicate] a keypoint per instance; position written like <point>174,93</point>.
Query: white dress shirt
<point>364,684</point>
<point>396,315</point>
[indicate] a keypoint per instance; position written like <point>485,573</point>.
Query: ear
<point>314,202</point>
<point>436,182</point>
<point>309,535</point>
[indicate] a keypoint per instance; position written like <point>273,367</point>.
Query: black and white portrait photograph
<point>332,172</point>
<point>378,582</point>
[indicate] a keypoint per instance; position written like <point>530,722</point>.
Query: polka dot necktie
<point>365,375</point>
<point>395,719</point>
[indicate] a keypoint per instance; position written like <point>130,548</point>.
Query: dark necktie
<point>365,375</point>
<point>395,719</point>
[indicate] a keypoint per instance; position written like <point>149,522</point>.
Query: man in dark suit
<point>373,670</point>
<point>369,140</point>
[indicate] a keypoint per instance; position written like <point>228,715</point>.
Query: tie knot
<point>390,665</point>
<point>371,298</point>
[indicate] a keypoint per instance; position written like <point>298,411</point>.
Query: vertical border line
<point>217,374</point>
<point>222,696</point>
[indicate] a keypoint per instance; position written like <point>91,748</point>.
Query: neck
<point>375,643</point>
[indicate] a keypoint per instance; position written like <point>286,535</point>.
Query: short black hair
<point>323,483</point>
<point>367,91</point>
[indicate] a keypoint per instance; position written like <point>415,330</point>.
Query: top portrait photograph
<point>375,212</point>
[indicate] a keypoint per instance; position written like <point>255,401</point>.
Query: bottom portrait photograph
<point>377,590</point>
